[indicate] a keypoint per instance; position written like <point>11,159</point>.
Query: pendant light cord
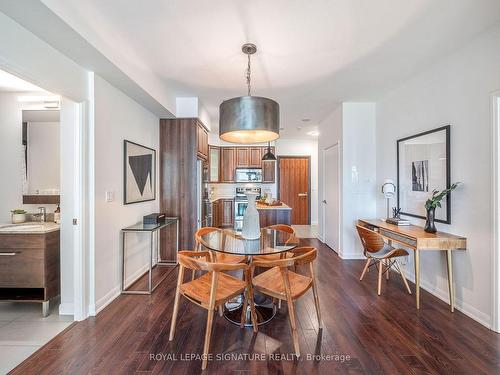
<point>249,72</point>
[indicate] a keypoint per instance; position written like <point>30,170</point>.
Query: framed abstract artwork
<point>139,173</point>
<point>423,166</point>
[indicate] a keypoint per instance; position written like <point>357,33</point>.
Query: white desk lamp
<point>389,191</point>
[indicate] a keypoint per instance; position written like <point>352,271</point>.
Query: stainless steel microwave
<point>248,175</point>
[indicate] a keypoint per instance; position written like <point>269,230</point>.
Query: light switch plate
<point>110,196</point>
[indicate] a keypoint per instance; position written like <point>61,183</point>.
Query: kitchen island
<point>270,215</point>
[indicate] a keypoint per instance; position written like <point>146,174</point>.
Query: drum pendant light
<point>249,119</point>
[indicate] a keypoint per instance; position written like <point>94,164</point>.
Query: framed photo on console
<point>423,166</point>
<point>139,174</point>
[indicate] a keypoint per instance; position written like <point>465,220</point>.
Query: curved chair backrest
<point>302,255</point>
<point>201,232</point>
<point>282,227</point>
<point>372,241</point>
<point>190,260</point>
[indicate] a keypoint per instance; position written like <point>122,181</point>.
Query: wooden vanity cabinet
<point>30,265</point>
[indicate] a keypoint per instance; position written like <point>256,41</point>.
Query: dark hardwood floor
<point>369,334</point>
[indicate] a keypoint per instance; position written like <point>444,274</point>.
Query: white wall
<point>454,91</point>
<point>117,117</point>
<point>352,125</point>
<point>358,173</point>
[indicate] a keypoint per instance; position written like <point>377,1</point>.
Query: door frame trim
<point>339,197</point>
<point>308,157</point>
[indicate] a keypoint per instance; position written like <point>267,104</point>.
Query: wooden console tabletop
<point>415,238</point>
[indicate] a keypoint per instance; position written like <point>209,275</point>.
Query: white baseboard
<point>460,305</point>
<point>109,297</point>
<point>319,237</point>
<point>314,222</point>
<point>351,256</point>
<point>66,309</point>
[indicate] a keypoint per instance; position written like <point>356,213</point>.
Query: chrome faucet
<point>42,213</point>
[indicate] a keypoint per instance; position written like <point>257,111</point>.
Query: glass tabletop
<point>141,227</point>
<point>228,241</point>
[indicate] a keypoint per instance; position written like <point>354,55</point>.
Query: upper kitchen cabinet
<point>242,157</point>
<point>255,157</point>
<point>227,164</point>
<point>268,167</point>
<point>214,163</point>
<point>202,140</point>
<point>248,157</point>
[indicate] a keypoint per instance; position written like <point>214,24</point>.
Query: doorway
<point>294,186</point>
<point>331,197</point>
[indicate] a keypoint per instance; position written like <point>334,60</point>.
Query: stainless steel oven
<point>248,175</point>
<point>241,204</point>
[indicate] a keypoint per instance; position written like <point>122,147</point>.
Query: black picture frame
<point>152,177</point>
<point>447,130</point>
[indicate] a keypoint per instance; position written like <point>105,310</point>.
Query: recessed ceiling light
<point>306,119</point>
<point>314,133</point>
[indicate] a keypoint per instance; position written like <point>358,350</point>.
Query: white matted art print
<point>424,166</point>
<point>139,173</point>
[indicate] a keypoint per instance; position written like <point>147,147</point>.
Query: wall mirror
<point>41,159</point>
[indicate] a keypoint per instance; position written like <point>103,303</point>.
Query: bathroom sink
<point>22,228</point>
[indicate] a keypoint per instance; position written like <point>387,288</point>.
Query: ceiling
<point>311,56</point>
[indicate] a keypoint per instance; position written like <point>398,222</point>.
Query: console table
<point>415,238</point>
<point>152,229</point>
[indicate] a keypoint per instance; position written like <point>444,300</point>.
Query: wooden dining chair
<point>212,289</point>
<point>281,283</point>
<point>284,228</point>
<point>380,254</point>
<point>216,257</point>
<point>281,227</point>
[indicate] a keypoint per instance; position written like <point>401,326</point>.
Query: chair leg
<point>176,303</point>
<point>367,264</point>
<point>403,277</point>
<point>279,304</point>
<point>221,311</point>
<point>244,310</point>
<point>208,332</point>
<point>380,271</point>
<point>316,303</point>
<point>293,326</point>
<point>387,268</point>
<point>315,293</point>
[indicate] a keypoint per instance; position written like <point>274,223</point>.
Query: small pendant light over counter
<point>249,119</point>
<point>269,156</point>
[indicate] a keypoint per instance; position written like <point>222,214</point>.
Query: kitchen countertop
<point>35,227</point>
<point>283,206</point>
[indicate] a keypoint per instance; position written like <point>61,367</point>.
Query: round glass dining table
<point>271,242</point>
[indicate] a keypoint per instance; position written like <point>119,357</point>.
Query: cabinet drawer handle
<point>8,254</point>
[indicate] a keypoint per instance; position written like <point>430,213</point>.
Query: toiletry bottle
<point>57,215</point>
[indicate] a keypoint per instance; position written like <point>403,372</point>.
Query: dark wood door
<point>228,164</point>
<point>294,188</point>
<point>255,157</point>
